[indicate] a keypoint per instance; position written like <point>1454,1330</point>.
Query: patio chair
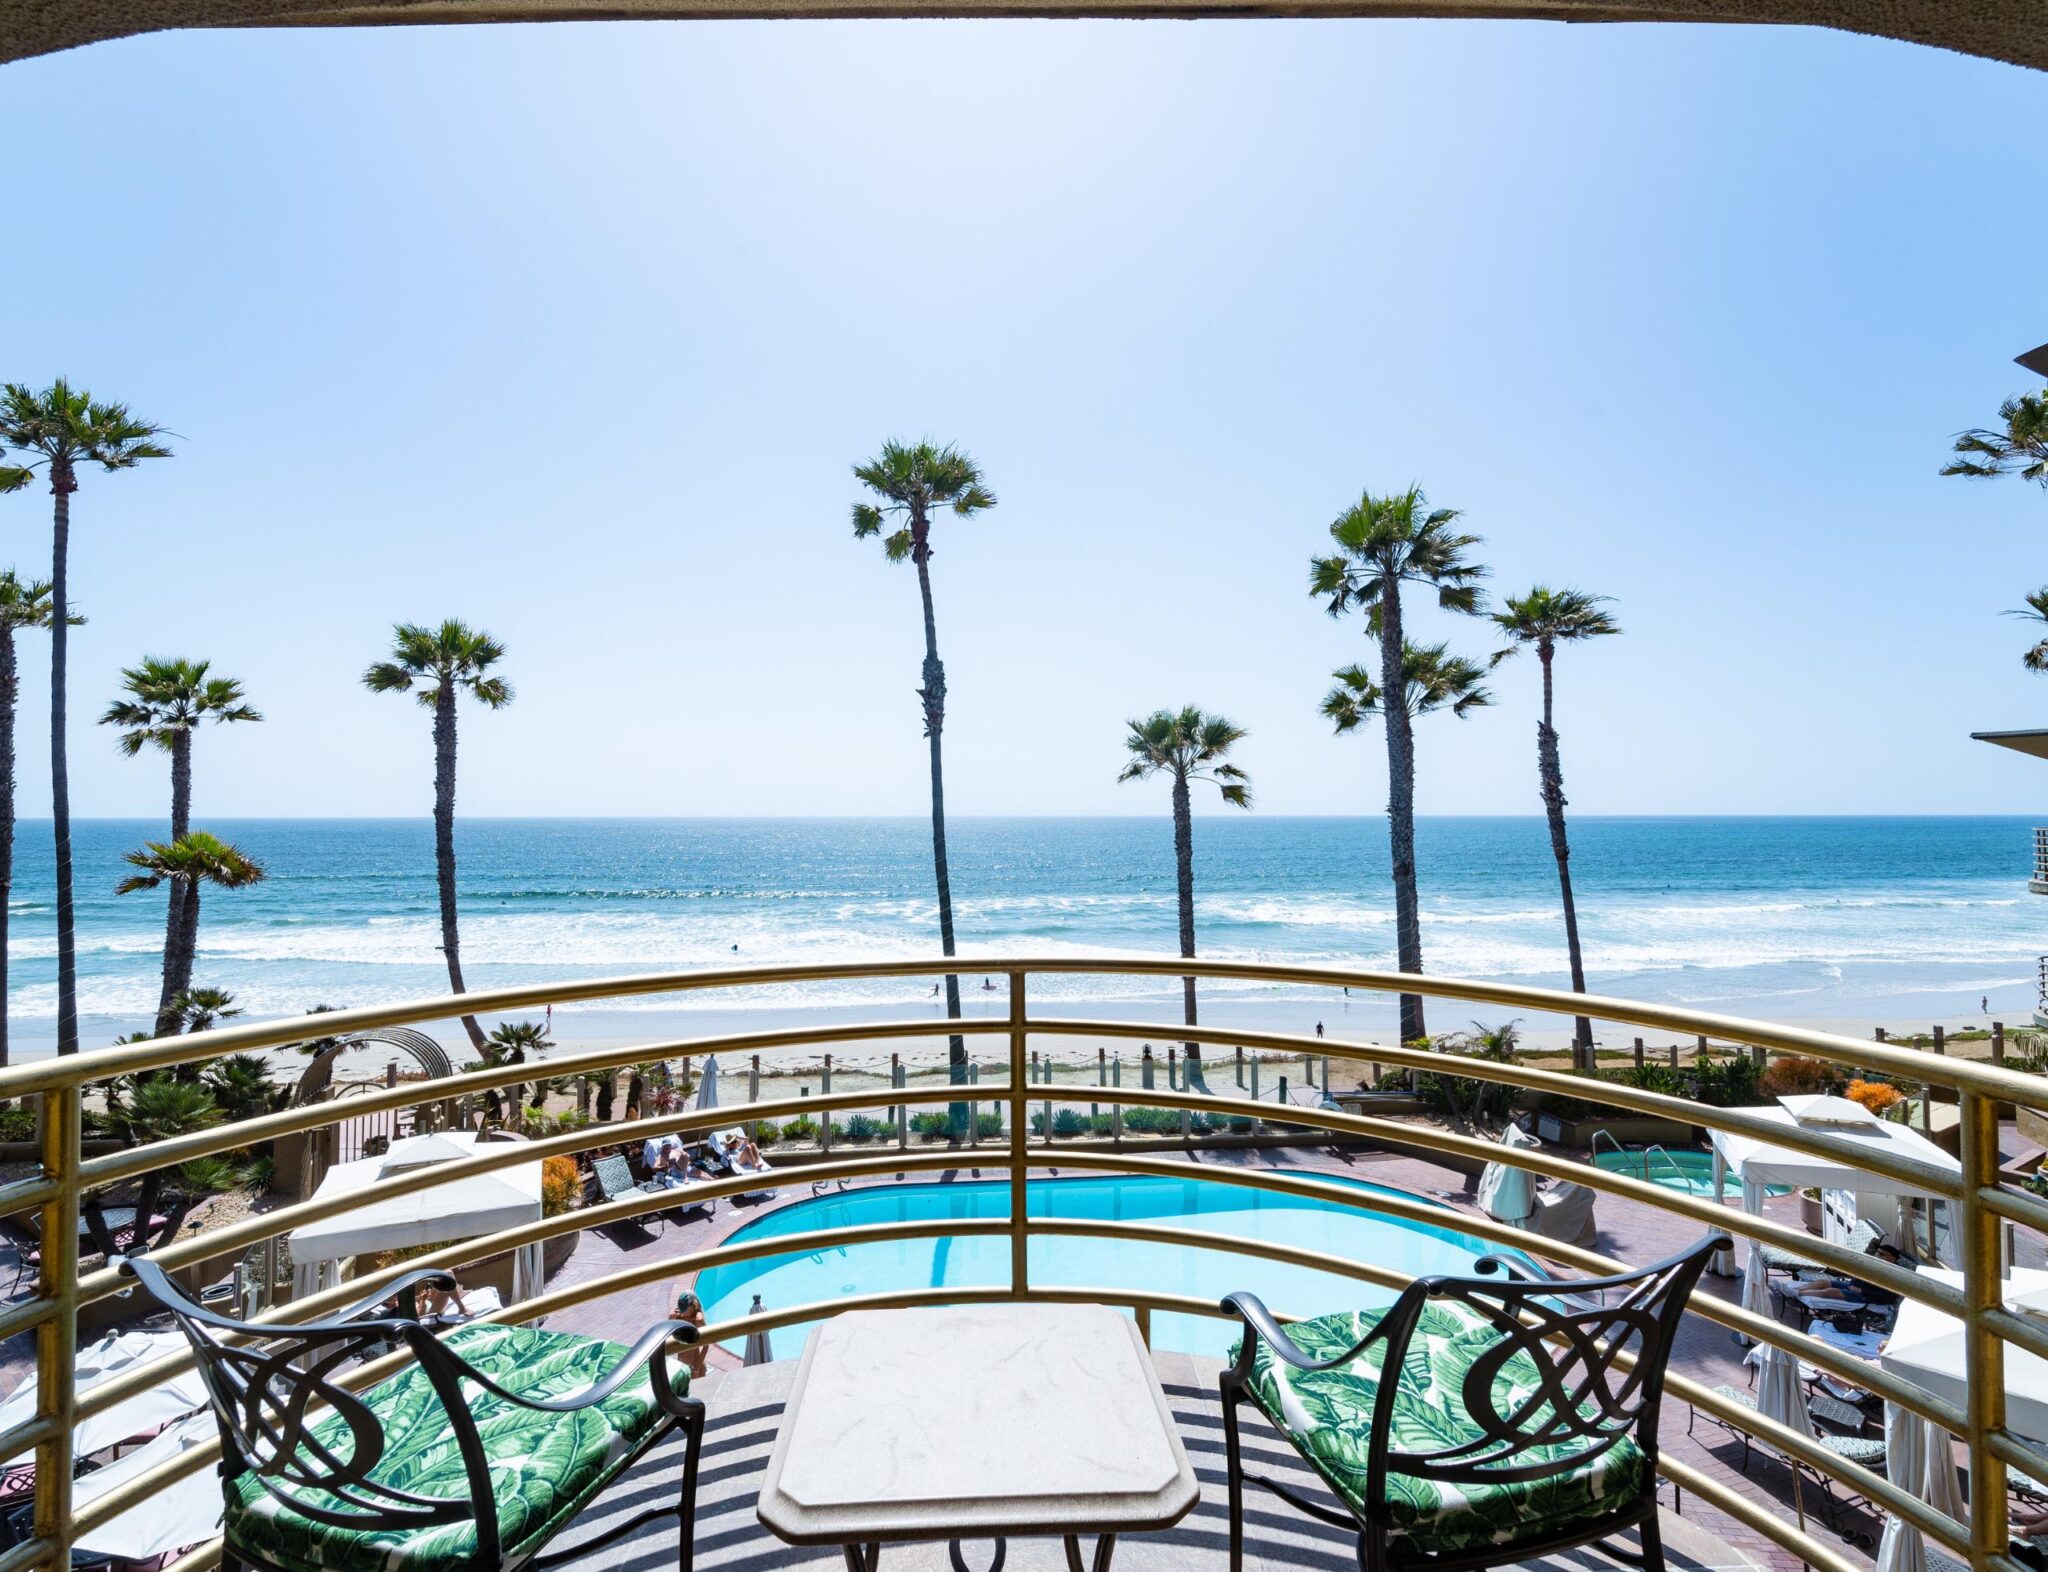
<point>1476,1422</point>
<point>415,1473</point>
<point>615,1179</point>
<point>21,1232</point>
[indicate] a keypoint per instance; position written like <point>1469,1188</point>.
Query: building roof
<point>2033,742</point>
<point>1996,29</point>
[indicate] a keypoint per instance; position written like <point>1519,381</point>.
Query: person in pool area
<point>691,1309</point>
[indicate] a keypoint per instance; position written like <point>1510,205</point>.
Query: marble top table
<point>975,1422</point>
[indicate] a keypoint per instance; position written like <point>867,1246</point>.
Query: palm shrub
<point>436,665</point>
<point>62,430</point>
<point>1381,544</point>
<point>1541,620</point>
<point>930,1126</point>
<point>859,1128</point>
<point>1186,746</point>
<point>910,483</point>
<point>1069,1122</point>
<point>240,1085</point>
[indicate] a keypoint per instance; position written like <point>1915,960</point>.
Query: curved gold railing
<point>1981,1203</point>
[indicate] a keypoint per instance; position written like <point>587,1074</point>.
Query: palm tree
<point>1543,619</point>
<point>167,700</point>
<point>510,1043</point>
<point>1383,543</point>
<point>912,483</point>
<point>60,430</point>
<point>196,858</point>
<point>22,605</point>
<point>2020,447</point>
<point>437,664</point>
<point>2036,610</point>
<point>1188,746</point>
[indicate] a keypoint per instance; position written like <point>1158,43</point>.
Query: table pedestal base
<point>868,1558</point>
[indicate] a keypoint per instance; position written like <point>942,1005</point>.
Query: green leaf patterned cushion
<point>544,1467</point>
<point>1328,1416</point>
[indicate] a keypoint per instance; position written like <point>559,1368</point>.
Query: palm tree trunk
<point>62,484</point>
<point>178,963</point>
<point>444,845</point>
<point>1184,873</point>
<point>1401,806</point>
<point>10,694</point>
<point>1550,772</point>
<point>933,695</point>
<point>180,923</point>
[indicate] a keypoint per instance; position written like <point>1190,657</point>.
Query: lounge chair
<point>727,1143</point>
<point>1863,1238</point>
<point>470,1460</point>
<point>1428,1479</point>
<point>615,1180</point>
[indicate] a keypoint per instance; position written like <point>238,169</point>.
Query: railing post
<point>1639,1053</point>
<point>1020,1242</point>
<point>897,1080</point>
<point>1998,1042</point>
<point>825,1119</point>
<point>57,1338</point>
<point>1983,1351</point>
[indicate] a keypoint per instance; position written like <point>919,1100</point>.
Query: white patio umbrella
<point>707,1084</point>
<point>1508,1193</point>
<point>1926,1347</point>
<point>182,1513</point>
<point>442,1214</point>
<point>1760,1163</point>
<point>112,1356</point>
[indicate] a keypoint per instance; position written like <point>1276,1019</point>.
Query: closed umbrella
<point>1919,1459</point>
<point>758,1352</point>
<point>1779,1394</point>
<point>142,1414</point>
<point>182,1513</point>
<point>1506,1192</point>
<point>707,1086</point>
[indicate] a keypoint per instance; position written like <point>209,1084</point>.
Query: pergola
<point>1995,29</point>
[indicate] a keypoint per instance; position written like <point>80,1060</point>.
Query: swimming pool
<point>1691,1172</point>
<point>1201,1206</point>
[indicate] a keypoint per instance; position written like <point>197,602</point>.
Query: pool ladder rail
<point>1648,1152</point>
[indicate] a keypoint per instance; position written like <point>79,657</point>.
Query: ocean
<point>1839,921</point>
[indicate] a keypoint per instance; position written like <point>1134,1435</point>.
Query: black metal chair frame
<point>1584,1396</point>
<point>264,1383</point>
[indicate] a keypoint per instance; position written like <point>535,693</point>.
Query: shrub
<point>766,1132</point>
<point>1795,1075</point>
<point>928,1126</point>
<point>1103,1124</point>
<point>1878,1096</point>
<point>885,1130</point>
<point>988,1124</point>
<point>561,1186</point>
<point>207,1175</point>
<point>1068,1122</point>
<point>19,1124</point>
<point>802,1128</point>
<point>860,1129</point>
<point>1728,1083</point>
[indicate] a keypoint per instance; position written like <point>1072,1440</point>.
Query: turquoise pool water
<point>1691,1172</point>
<point>1200,1206</point>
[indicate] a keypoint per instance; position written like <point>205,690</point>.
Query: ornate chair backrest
<point>1573,1368</point>
<point>272,1387</point>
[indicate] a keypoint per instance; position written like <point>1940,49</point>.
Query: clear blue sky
<point>574,332</point>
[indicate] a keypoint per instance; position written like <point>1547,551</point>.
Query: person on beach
<point>1319,1028</point>
<point>691,1309</point>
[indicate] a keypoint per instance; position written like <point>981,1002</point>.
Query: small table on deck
<point>976,1422</point>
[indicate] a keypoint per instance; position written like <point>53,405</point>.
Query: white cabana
<point>443,1214</point>
<point>111,1356</point>
<point>185,1512</point>
<point>1760,1163</point>
<point>1507,1193</point>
